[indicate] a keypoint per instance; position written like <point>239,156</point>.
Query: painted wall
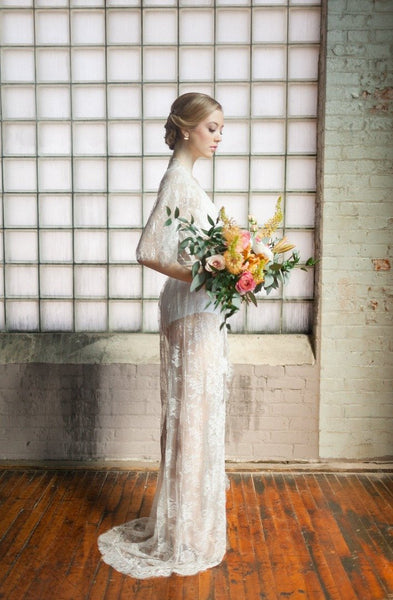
<point>356,404</point>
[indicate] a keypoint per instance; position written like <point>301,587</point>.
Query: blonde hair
<point>187,111</point>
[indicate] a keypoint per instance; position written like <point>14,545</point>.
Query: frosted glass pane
<point>300,285</point>
<point>88,102</point>
<point>153,139</point>
<point>267,174</point>
<point>125,281</point>
<point>56,280</point>
<point>297,317</point>
<point>124,102</point>
<point>303,63</point>
<point>125,138</point>
<point>152,283</point>
<point>302,100</point>
<point>53,102</point>
<point>123,27</point>
<point>54,138</point>
<point>21,280</point>
<point>304,25</point>
<point>19,138</point>
<point>232,63</point>
<point>157,100</point>
<point>123,2</point>
<point>236,206</point>
<point>17,65</point>
<point>268,100</point>
<point>150,316</point>
<point>88,64</point>
<point>20,211</point>
<point>20,246</point>
<point>268,137</point>
<point>18,102</point>
<point>17,3</point>
<point>54,175</point>
<point>235,99</point>
<point>90,246</point>
<point>122,245</point>
<point>263,2</point>
<point>125,211</point>
<point>90,211</point>
<point>164,22</point>
<point>196,64</point>
<point>203,88</point>
<point>301,173</point>
<point>55,246</point>
<point>124,65</point>
<point>22,316</point>
<point>124,175</point>
<point>269,63</point>
<point>13,179</point>
<point>53,65</point>
<point>125,316</point>
<point>233,26</point>
<point>304,241</point>
<point>235,139</point>
<point>196,26</point>
<point>88,27</point>
<point>159,64</point>
<point>153,171</point>
<point>304,1</point>
<point>231,174</point>
<point>52,27</point>
<point>269,26</point>
<point>55,211</point>
<point>265,318</point>
<point>90,316</point>
<point>302,136</point>
<point>89,138</point>
<point>90,175</point>
<point>17,28</point>
<point>51,3</point>
<point>300,211</point>
<point>263,206</point>
<point>87,3</point>
<point>56,316</point>
<point>90,282</point>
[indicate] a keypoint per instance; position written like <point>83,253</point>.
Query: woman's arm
<point>174,270</point>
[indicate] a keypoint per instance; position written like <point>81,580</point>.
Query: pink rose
<point>246,283</point>
<point>245,238</point>
<point>215,263</point>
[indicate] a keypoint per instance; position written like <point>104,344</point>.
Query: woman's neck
<point>185,157</point>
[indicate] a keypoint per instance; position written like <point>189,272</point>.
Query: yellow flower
<point>233,262</point>
<point>271,225</point>
<point>282,246</point>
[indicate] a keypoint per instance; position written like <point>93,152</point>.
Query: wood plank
<point>360,570</point>
<point>233,555</point>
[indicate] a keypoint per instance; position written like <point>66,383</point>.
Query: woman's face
<point>206,136</point>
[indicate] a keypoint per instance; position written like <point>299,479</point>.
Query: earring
<point>186,137</point>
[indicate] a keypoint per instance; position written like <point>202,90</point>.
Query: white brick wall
<point>356,405</point>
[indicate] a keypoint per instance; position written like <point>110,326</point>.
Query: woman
<point>186,530</point>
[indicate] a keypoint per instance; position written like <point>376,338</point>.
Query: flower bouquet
<point>234,264</point>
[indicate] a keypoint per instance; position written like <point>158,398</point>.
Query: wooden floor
<point>297,536</point>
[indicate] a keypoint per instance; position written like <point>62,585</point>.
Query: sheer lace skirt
<point>186,530</point>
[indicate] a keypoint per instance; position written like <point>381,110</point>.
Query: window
<point>85,94</point>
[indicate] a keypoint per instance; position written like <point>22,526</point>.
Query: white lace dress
<point>186,530</point>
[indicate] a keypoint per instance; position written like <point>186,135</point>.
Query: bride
<point>186,530</point>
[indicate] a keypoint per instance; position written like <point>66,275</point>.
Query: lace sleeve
<point>159,242</point>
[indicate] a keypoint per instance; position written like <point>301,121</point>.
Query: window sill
<point>139,348</point>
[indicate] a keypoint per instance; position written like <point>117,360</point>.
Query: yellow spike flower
<point>282,246</point>
<point>271,225</point>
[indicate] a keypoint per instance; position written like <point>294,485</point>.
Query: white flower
<point>215,263</point>
<point>260,248</point>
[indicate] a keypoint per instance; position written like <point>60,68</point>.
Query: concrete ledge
<point>143,348</point>
<point>312,466</point>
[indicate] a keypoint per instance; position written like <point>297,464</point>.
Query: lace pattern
<point>186,530</point>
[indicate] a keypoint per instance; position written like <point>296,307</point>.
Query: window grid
<point>67,165</point>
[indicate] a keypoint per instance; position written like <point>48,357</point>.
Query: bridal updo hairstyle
<point>187,111</point>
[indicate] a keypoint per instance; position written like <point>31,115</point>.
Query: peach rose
<point>215,263</point>
<point>260,248</point>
